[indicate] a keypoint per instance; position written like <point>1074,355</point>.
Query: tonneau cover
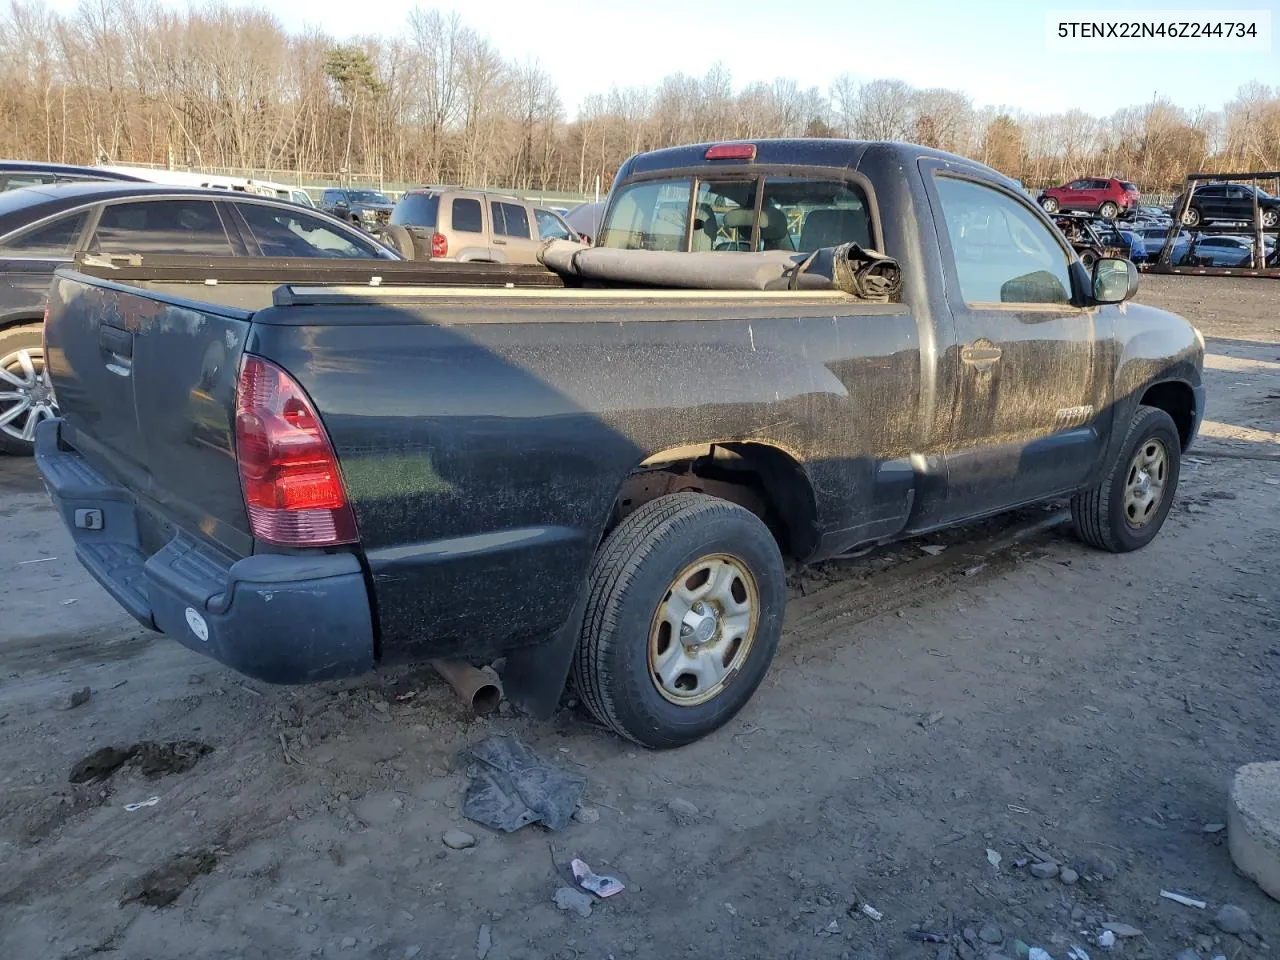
<point>849,268</point>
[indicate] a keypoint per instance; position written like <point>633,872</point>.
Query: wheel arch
<point>1176,398</point>
<point>762,477</point>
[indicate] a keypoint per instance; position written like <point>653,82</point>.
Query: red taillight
<point>732,151</point>
<point>292,487</point>
<point>439,245</point>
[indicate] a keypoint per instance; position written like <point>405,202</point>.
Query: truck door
<point>1026,372</point>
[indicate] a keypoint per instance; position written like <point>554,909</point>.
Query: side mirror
<point>1114,280</point>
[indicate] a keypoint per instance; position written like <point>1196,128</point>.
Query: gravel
<point>1044,871</point>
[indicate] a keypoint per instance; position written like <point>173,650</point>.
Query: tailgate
<point>145,385</point>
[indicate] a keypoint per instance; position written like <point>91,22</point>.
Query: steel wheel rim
<point>703,630</point>
<point>1145,482</point>
<point>26,395</point>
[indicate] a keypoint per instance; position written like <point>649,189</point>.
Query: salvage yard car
<point>1108,197</point>
<point>42,227</point>
<point>600,469</point>
<point>471,226</point>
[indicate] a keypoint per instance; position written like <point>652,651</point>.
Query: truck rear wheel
<point>1126,510</point>
<point>682,619</point>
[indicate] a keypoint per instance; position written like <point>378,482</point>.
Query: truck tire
<point>1126,510</point>
<point>683,616</point>
<point>1089,257</point>
<point>1109,210</point>
<point>1049,205</point>
<point>24,400</point>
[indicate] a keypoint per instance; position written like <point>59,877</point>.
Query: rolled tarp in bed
<point>848,268</point>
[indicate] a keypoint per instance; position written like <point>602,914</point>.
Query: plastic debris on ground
<point>1038,953</point>
<point>600,886</point>
<point>1184,900</point>
<point>151,802</point>
<point>1077,953</point>
<point>511,787</point>
<point>1106,939</point>
<point>993,858</point>
<point>872,912</point>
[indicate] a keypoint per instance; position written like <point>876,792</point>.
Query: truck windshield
<point>367,196</point>
<point>794,214</point>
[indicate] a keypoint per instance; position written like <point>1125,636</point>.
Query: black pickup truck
<point>598,469</point>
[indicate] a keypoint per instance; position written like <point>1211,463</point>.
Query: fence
<point>315,182</point>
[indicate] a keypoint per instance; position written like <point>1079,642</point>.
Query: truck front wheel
<point>1126,510</point>
<point>682,619</point>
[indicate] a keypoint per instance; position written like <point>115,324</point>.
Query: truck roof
<point>796,151</point>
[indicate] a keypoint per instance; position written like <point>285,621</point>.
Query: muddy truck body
<point>598,471</point>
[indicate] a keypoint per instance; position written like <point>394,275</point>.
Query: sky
<point>997,51</point>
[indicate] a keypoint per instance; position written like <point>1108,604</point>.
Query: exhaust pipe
<point>475,688</point>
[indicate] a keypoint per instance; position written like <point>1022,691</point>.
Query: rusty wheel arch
<point>761,477</point>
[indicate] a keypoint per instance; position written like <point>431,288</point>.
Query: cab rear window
<point>729,213</point>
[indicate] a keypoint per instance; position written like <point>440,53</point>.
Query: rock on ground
<point>567,898</point>
<point>458,839</point>
<point>1233,919</point>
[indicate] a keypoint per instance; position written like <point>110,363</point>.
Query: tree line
<point>215,87</point>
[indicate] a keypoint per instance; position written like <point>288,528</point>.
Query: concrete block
<point>1253,824</point>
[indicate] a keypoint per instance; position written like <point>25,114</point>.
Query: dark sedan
<point>43,227</point>
<point>16,174</point>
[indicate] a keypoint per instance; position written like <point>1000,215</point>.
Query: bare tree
<point>221,87</point>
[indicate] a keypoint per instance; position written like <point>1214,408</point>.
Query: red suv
<point>1107,197</point>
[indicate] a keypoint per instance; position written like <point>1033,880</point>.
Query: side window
<point>290,233</point>
<point>162,226</point>
<point>53,239</point>
<point>551,227</point>
<point>509,220</point>
<point>467,216</point>
<point>1003,253</point>
<point>16,181</point>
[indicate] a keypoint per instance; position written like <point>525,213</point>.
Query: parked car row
<point>43,227</point>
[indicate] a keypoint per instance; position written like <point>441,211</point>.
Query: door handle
<point>499,241</point>
<point>117,349</point>
<point>982,354</point>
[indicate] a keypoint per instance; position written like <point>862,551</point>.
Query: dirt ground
<point>1013,697</point>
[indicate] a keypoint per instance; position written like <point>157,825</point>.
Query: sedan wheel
<point>1049,204</point>
<point>26,396</point>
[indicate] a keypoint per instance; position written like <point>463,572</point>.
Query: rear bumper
<point>277,618</point>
